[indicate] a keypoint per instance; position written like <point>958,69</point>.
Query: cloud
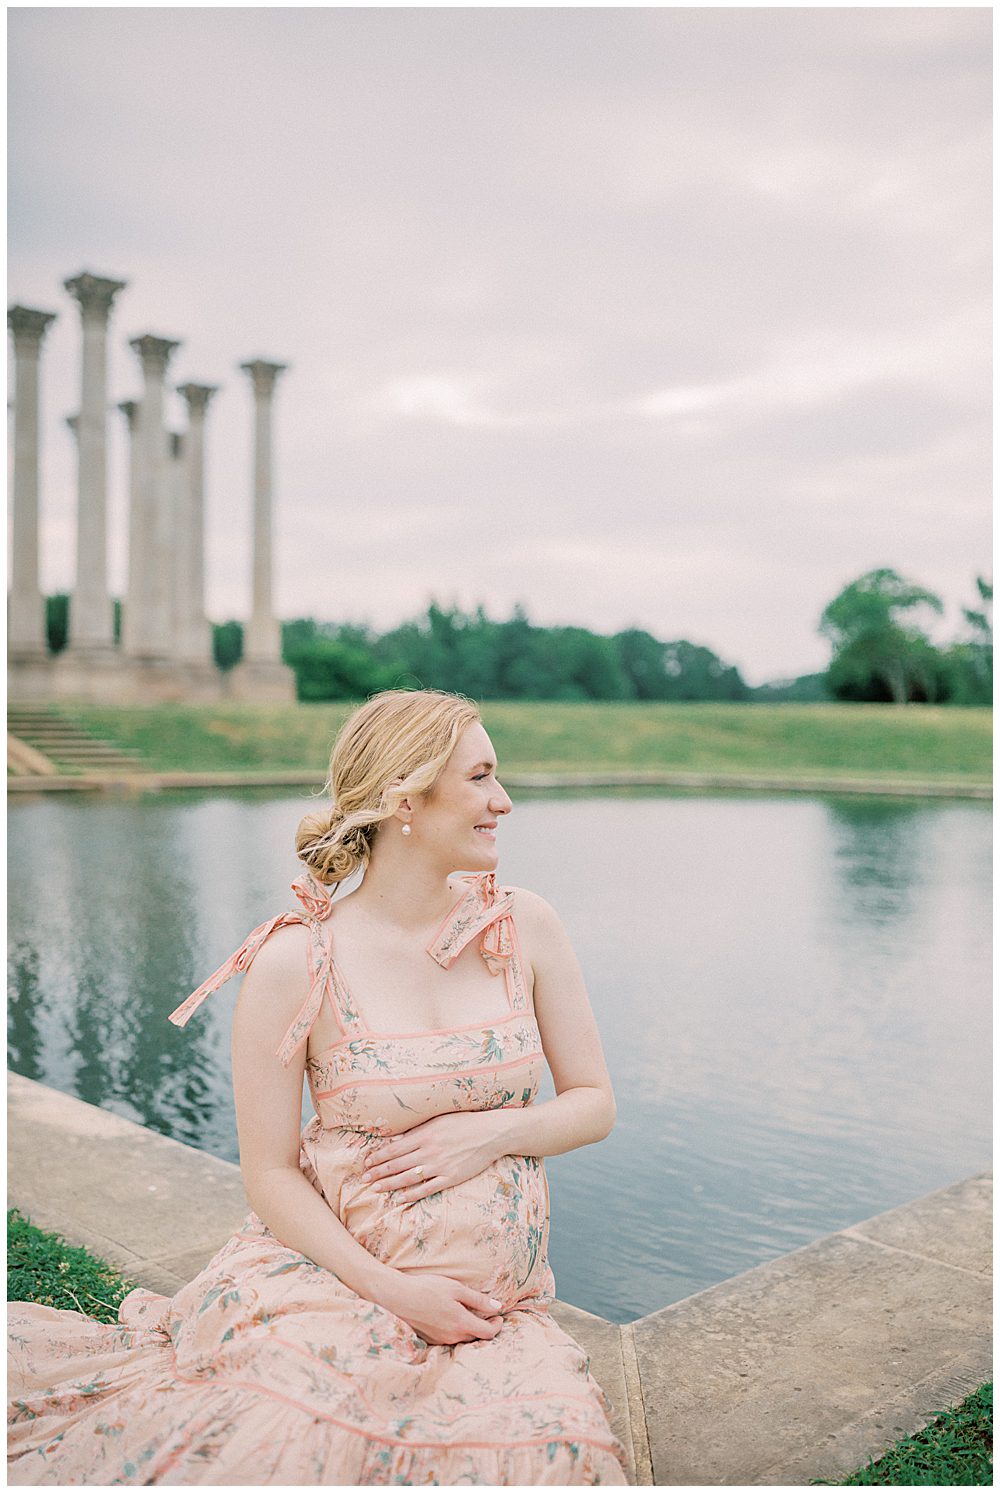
<point>673,317</point>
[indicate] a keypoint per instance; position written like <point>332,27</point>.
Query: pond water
<point>793,994</point>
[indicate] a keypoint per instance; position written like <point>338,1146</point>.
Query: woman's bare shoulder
<point>533,911</point>
<point>543,935</point>
<point>281,960</point>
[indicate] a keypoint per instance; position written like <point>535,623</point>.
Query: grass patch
<point>799,741</point>
<point>955,1450</point>
<point>42,1267</point>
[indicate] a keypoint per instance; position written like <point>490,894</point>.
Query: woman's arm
<point>584,1108</point>
<point>268,1115</point>
<point>453,1147</point>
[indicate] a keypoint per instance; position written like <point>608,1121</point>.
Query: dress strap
<point>316,908</point>
<point>487,910</point>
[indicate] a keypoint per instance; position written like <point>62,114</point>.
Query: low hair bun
<point>332,848</point>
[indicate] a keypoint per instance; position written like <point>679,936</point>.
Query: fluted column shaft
<point>91,618</point>
<point>130,409</point>
<point>150,597</point>
<point>26,633</point>
<point>262,643</point>
<point>179,539</point>
<point>194,634</point>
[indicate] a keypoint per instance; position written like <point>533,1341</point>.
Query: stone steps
<point>63,743</point>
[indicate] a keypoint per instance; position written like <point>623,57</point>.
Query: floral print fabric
<point>266,1368</point>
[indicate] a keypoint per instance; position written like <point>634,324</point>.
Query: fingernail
<point>496,1305</point>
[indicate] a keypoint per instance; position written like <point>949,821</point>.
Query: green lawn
<point>42,1267</point>
<point>799,741</point>
<point>953,1451</point>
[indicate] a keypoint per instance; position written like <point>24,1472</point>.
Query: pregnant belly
<point>490,1232</point>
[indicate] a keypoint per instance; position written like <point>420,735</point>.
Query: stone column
<point>194,634</point>
<point>130,409</point>
<point>178,561</point>
<point>91,619</point>
<point>26,633</point>
<point>151,538</point>
<point>262,642</point>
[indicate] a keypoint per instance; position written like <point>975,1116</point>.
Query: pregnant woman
<point>383,1314</point>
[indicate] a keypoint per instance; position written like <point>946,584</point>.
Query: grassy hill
<point>798,741</point>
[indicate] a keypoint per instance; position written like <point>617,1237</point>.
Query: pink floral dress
<point>266,1368</point>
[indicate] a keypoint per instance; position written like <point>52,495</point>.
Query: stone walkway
<point>801,1368</point>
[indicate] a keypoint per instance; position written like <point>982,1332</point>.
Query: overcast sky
<point>655,317</point>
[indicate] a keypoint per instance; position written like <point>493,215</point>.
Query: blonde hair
<point>395,745</point>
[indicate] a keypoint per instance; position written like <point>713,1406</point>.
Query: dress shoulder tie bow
<point>316,908</point>
<point>483,909</point>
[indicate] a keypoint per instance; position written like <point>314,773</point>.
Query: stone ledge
<point>809,1364</point>
<point>801,1368</point>
<point>156,782</point>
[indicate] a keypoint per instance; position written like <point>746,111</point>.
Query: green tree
<point>57,620</point>
<point>327,669</point>
<point>969,660</point>
<point>876,655</point>
<point>643,661</point>
<point>227,643</point>
<point>299,633</point>
<point>589,665</point>
<point>696,673</point>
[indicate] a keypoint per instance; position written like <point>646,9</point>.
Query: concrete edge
<point>165,1269</point>
<point>870,1436</point>
<point>852,1231</point>
<point>642,1458</point>
<point>156,782</point>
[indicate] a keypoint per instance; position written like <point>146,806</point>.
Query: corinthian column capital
<point>94,293</point>
<point>197,396</point>
<point>154,352</point>
<point>28,326</point>
<point>263,375</point>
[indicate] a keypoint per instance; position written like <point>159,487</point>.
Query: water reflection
<point>877,848</point>
<point>792,992</point>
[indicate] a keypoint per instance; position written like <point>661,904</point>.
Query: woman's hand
<point>449,1149</point>
<point>441,1310</point>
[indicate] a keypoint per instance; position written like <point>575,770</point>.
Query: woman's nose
<point>500,802</point>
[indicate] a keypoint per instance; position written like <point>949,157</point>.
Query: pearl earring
<point>407,830</point>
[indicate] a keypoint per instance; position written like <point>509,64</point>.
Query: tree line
<point>876,627</point>
<point>488,659</point>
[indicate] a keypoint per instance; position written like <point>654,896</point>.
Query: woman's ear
<point>404,803</point>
